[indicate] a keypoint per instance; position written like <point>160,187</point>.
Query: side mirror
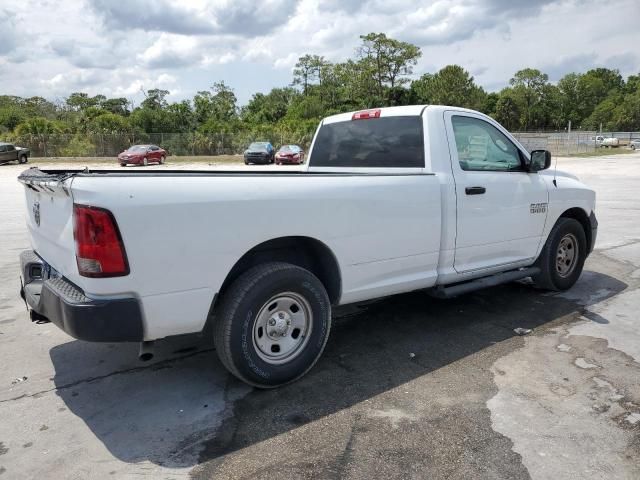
<point>540,160</point>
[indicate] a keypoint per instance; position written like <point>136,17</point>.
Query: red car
<point>142,155</point>
<point>291,154</point>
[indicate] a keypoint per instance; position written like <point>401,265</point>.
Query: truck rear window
<point>376,142</point>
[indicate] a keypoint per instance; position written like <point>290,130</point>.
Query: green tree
<point>269,108</point>
<point>507,110</point>
<point>11,112</point>
<point>119,106</point>
<point>218,104</point>
<point>38,126</point>
<point>529,87</point>
<point>452,85</point>
<point>603,114</point>
<point>387,60</point>
<point>570,98</point>
<point>180,117</point>
<point>78,146</point>
<point>627,113</point>
<point>108,123</point>
<point>595,86</point>
<point>39,107</point>
<point>155,99</point>
<point>490,102</point>
<point>308,70</point>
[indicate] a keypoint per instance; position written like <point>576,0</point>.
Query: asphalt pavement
<point>408,387</point>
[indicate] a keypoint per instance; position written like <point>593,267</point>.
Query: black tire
<point>238,312</point>
<point>123,164</point>
<point>549,277</point>
<point>162,160</point>
<point>23,159</point>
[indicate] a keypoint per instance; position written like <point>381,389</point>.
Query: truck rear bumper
<point>59,301</point>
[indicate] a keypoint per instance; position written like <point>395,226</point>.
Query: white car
<point>391,200</point>
<point>606,142</point>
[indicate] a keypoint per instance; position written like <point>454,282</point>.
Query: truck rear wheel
<point>272,324</point>
<point>562,256</point>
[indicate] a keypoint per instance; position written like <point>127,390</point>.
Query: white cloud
<point>117,48</point>
<point>8,31</point>
<point>219,58</point>
<point>286,62</point>
<point>172,51</point>
<point>63,82</point>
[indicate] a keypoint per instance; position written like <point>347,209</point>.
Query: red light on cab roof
<point>365,114</point>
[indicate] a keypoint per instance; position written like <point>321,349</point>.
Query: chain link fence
<point>182,144</point>
<point>563,143</point>
<point>198,144</point>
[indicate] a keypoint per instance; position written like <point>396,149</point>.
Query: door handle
<point>475,190</point>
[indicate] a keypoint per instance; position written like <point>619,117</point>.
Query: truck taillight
<point>365,114</point>
<point>99,248</point>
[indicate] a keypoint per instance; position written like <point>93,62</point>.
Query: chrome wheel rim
<point>282,328</point>
<point>567,255</point>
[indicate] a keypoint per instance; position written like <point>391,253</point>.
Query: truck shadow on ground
<point>171,413</point>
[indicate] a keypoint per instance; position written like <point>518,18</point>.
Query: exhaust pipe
<point>146,351</point>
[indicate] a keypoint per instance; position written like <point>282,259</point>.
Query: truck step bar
<point>484,282</point>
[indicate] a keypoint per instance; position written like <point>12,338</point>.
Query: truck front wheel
<point>562,256</point>
<point>23,159</point>
<point>272,324</point>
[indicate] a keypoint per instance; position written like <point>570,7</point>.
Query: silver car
<point>635,144</point>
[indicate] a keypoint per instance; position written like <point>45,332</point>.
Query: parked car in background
<point>607,142</point>
<point>142,155</point>
<point>259,152</point>
<point>635,144</point>
<point>10,153</point>
<point>291,154</point>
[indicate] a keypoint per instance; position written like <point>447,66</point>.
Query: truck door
<point>501,208</point>
<point>4,155</point>
<point>11,153</point>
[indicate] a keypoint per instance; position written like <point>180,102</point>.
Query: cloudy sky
<point>54,47</point>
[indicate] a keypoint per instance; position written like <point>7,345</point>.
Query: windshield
<point>137,148</point>
<point>258,146</point>
<point>290,149</point>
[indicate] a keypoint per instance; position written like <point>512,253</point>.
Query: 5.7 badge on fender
<point>538,208</point>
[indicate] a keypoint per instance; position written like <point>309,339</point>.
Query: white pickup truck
<point>391,200</point>
<point>607,142</point>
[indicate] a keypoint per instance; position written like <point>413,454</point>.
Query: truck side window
<point>386,142</point>
<point>482,147</point>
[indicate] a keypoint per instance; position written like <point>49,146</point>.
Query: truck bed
<point>185,230</point>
